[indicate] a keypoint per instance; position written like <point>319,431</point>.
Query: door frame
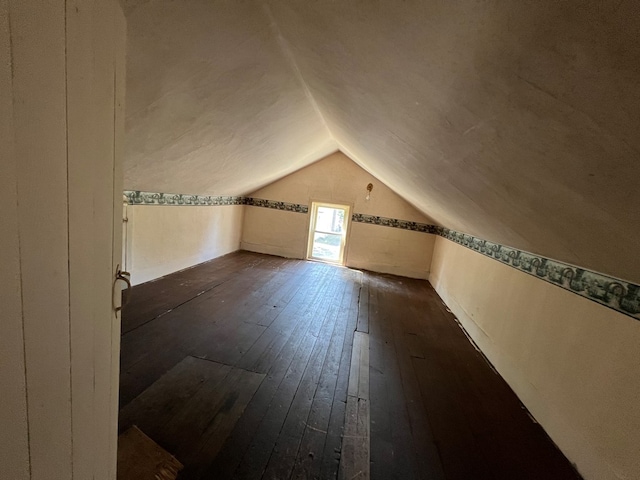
<point>62,196</point>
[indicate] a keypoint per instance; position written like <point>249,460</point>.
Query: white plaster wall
<point>275,232</point>
<point>572,362</point>
<point>390,250</point>
<point>337,179</point>
<point>165,239</point>
<point>211,90</point>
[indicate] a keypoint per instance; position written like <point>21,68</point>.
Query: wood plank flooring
<point>355,456</point>
<point>240,367</point>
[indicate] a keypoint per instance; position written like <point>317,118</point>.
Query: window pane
<point>330,219</point>
<point>326,246</point>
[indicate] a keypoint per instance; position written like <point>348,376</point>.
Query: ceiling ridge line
<point>288,54</point>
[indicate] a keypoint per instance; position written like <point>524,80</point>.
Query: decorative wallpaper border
<point>394,223</point>
<point>619,295</point>
<point>136,197</point>
<point>286,206</point>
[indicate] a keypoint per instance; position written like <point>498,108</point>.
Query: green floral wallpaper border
<point>393,222</point>
<point>619,295</point>
<point>286,206</point>
<point>136,197</point>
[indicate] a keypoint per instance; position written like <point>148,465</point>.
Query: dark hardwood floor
<point>242,368</point>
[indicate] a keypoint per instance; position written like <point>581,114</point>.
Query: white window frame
<point>343,234</point>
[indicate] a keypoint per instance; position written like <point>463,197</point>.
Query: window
<point>328,232</point>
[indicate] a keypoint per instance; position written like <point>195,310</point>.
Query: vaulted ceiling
<point>517,122</point>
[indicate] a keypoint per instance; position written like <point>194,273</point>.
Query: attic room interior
<point>292,239</point>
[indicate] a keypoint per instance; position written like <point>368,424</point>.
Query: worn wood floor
<point>245,367</point>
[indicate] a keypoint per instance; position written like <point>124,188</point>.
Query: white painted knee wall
<point>573,363</point>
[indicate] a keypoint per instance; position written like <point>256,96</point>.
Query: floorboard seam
<point>355,459</point>
<point>174,308</point>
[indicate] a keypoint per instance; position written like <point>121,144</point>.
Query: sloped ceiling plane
<point>517,122</point>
